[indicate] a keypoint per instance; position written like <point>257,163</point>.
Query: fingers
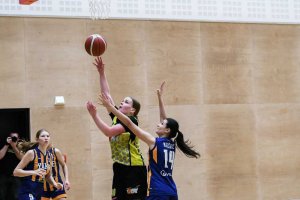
<point>67,186</point>
<point>104,100</point>
<point>59,186</point>
<point>41,172</point>
<point>98,62</point>
<point>162,85</point>
<point>8,140</point>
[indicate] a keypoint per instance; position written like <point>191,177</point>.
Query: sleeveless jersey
<point>55,171</point>
<point>34,184</point>
<point>125,147</point>
<point>161,161</point>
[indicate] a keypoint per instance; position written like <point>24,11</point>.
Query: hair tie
<point>176,135</point>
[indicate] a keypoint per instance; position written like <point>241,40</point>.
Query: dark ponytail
<point>183,145</point>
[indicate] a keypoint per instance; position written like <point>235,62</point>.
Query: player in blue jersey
<point>57,160</point>
<point>161,185</point>
<point>35,167</point>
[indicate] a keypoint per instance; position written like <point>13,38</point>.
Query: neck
<point>43,149</point>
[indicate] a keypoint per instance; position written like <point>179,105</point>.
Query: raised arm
<point>103,81</point>
<point>162,112</point>
<point>107,130</point>
<point>17,152</point>
<point>140,133</point>
<point>3,151</point>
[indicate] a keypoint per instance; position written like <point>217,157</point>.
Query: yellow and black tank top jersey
<point>125,147</point>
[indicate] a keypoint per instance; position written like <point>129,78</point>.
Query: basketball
<point>95,45</point>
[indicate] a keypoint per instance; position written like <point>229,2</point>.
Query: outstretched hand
<point>99,64</point>
<point>104,100</point>
<point>91,108</point>
<point>161,89</point>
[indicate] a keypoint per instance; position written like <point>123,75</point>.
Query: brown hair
<point>25,146</point>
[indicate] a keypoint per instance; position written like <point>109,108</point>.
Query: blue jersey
<point>49,191</point>
<point>161,162</point>
<point>55,171</point>
<point>33,185</point>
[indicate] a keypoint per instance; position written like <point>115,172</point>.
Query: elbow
<point>15,173</point>
<point>107,133</point>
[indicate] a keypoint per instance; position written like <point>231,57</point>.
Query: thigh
<point>117,188</point>
<point>136,183</point>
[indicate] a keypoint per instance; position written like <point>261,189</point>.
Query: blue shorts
<point>56,194</point>
<point>28,196</point>
<point>164,197</point>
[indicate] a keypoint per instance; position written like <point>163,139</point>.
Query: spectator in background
<point>10,156</point>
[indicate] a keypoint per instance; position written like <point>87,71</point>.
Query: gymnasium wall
<point>234,88</point>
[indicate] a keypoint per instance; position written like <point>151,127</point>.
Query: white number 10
<point>169,157</point>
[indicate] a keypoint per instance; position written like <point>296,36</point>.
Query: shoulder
<point>134,119</point>
<point>56,151</point>
<point>30,154</point>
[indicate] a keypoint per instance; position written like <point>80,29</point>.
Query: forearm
<point>123,118</point>
<point>18,153</point>
<point>66,172</point>
<point>3,151</point>
<point>143,135</point>
<point>23,173</point>
<point>50,180</point>
<point>103,127</point>
<point>104,84</point>
<point>162,112</point>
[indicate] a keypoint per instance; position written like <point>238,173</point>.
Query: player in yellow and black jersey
<point>130,174</point>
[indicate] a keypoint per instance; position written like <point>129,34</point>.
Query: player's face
<point>162,128</point>
<point>126,106</point>
<point>44,138</point>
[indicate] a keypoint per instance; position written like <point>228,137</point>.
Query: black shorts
<point>129,182</point>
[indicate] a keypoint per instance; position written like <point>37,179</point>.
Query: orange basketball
<point>95,45</point>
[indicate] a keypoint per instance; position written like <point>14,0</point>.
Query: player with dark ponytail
<point>161,185</point>
<point>183,145</point>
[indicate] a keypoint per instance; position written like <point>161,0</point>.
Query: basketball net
<point>99,9</point>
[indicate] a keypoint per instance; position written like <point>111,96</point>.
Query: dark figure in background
<point>10,156</point>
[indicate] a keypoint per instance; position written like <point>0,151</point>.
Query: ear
<point>132,110</point>
<point>168,130</point>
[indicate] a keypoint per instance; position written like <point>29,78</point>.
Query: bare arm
<point>162,112</point>
<point>63,164</point>
<point>49,178</point>
<point>19,172</point>
<point>18,153</point>
<point>103,81</point>
<point>107,130</point>
<point>3,151</point>
<point>140,133</point>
